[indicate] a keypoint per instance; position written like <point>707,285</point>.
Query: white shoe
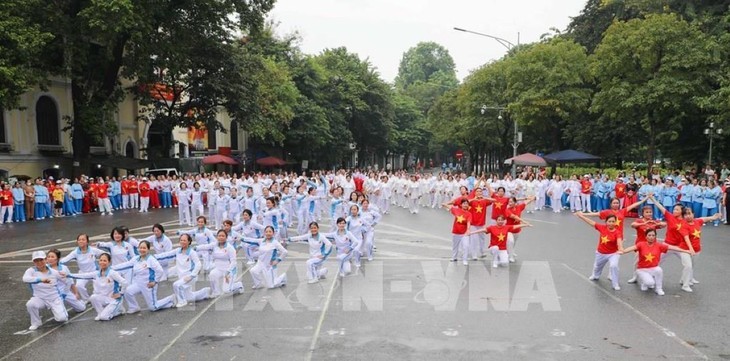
<point>240,291</point>
<point>181,304</point>
<point>644,287</point>
<point>342,274</point>
<point>33,327</point>
<point>686,289</point>
<point>103,214</point>
<point>131,312</point>
<point>313,281</point>
<point>370,259</point>
<point>110,213</point>
<point>494,265</point>
<point>97,318</point>
<point>694,281</point>
<point>632,280</point>
<point>592,278</point>
<point>466,263</point>
<point>249,263</point>
<point>659,292</point>
<point>617,288</point>
<point>512,260</point>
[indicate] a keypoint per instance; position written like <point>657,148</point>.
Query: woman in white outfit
<point>319,248</point>
<point>43,282</point>
<point>248,228</point>
<point>371,216</point>
<point>225,270</point>
<point>202,235</point>
<point>188,266</point>
<point>196,203</point>
<point>85,257</point>
<point>347,244</point>
<point>146,275</point>
<point>108,289</point>
<point>184,199</point>
<point>120,250</point>
<point>66,287</point>
<point>555,192</point>
<point>160,243</point>
<point>271,253</point>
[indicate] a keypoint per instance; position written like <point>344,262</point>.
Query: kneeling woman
<point>188,266</point>
<point>319,248</point>
<point>648,272</point>
<point>43,282</point>
<point>610,244</point>
<point>347,244</point>
<point>271,253</point>
<point>146,274</point>
<point>223,275</point>
<point>108,289</point>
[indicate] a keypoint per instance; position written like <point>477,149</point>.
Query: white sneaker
<point>33,327</point>
<point>103,213</point>
<point>494,265</point>
<point>97,318</point>
<point>466,263</point>
<point>694,281</point>
<point>181,304</point>
<point>617,288</point>
<point>659,292</point>
<point>632,280</point>
<point>512,260</point>
<point>686,289</point>
<point>644,287</point>
<point>591,278</point>
<point>313,281</point>
<point>240,291</point>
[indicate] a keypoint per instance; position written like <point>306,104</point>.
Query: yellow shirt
<point>58,195</point>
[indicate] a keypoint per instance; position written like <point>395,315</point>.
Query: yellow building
<point>33,143</point>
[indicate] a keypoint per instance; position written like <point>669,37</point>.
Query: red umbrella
<point>271,162</point>
<point>219,159</point>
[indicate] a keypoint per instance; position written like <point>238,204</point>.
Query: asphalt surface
<point>409,303</point>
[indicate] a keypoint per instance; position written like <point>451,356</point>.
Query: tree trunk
<point>80,140</point>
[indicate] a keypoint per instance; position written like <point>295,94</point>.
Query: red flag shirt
<point>6,198</point>
<point>694,230</point>
<point>608,241</point>
<point>676,230</point>
<point>102,190</point>
<point>499,206</point>
<point>516,210</point>
<point>478,209</point>
<point>585,186</point>
<point>498,236</point>
<point>620,216</point>
<point>133,187</point>
<point>462,219</point>
<point>650,255</point>
<point>620,190</point>
<point>144,189</point>
<point>641,230</point>
<point>125,186</point>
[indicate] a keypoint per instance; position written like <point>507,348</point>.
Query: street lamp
<point>711,132</point>
<point>517,137</point>
<point>506,43</point>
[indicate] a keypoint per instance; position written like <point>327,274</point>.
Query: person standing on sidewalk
<point>29,191</point>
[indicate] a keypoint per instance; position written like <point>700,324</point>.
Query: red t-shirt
<point>125,186</point>
<point>608,242</point>
<point>102,190</point>
<point>695,233</point>
<point>461,220</point>
<point>641,230</point>
<point>478,209</point>
<point>6,198</point>
<point>517,211</point>
<point>620,190</point>
<point>498,236</point>
<point>650,255</point>
<point>133,187</point>
<point>144,189</point>
<point>585,186</point>
<point>676,230</point>
<point>499,206</point>
<point>620,215</point>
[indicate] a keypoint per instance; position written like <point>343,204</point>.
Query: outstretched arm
<point>580,215</point>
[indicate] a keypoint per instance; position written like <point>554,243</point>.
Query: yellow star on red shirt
<point>479,209</point>
<point>460,219</point>
<point>649,257</point>
<point>696,233</point>
<point>500,237</point>
<point>604,240</point>
<point>618,222</point>
<point>498,205</point>
<point>679,226</point>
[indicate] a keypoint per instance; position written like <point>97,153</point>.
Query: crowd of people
<point>255,214</point>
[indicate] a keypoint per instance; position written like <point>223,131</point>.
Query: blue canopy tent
<point>571,156</point>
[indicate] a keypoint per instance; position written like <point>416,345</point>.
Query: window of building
<point>211,138</point>
<point>234,135</point>
<point>46,119</point>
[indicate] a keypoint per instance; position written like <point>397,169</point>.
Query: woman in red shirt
<point>499,240</point>
<point>512,215</point>
<point>649,253</point>
<point>695,233</point>
<point>610,243</point>
<point>678,235</point>
<point>616,210</point>
<point>642,225</point>
<point>460,239</point>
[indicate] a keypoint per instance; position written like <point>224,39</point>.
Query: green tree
<point>653,74</point>
<point>21,42</point>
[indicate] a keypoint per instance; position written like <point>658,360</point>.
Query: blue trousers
<point>79,205</point>
<point>40,209</point>
<point>697,209</point>
<point>113,200</point>
<point>19,212</point>
<point>709,212</point>
<point>166,199</point>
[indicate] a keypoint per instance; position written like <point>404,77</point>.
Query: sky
<point>382,30</point>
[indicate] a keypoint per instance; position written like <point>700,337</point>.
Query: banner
<point>198,138</point>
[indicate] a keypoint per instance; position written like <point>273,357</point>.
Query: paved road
<point>410,303</point>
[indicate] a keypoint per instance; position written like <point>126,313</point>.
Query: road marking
<point>540,221</point>
<point>318,329</point>
<point>413,231</point>
<point>190,324</point>
<point>43,335</point>
<point>641,315</point>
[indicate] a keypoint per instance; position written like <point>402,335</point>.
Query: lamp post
<point>506,43</point>
<point>711,132</point>
<point>516,139</point>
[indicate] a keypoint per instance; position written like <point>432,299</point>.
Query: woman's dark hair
<point>248,211</point>
<point>205,220</point>
<point>221,230</point>
<point>145,242</point>
<point>340,220</point>
<point>107,255</point>
<point>158,226</point>
<point>118,230</point>
<point>56,252</point>
<point>313,224</point>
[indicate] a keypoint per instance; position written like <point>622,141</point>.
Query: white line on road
<point>190,324</point>
<point>43,335</point>
<point>643,316</point>
<point>540,221</point>
<point>318,329</point>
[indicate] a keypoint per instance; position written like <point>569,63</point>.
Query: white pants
<point>540,201</point>
<point>144,204</point>
<point>264,275</point>
<point>125,201</point>
<point>185,291</point>
<point>36,304</point>
<point>512,243</point>
<point>211,213</point>
<point>556,203</point>
<point>75,303</point>
<point>650,277</point>
<point>585,200</point>
<point>686,260</point>
<point>197,210</point>
<point>219,284</point>
<point>105,205</point>
<point>574,203</point>
<point>600,262</point>
<point>477,242</point>
<point>106,307</point>
<point>81,288</point>
<point>344,260</point>
<point>183,211</point>
<point>499,256</point>
<point>220,216</point>
<point>6,210</point>
<point>367,247</point>
<point>315,271</point>
<point>413,205</point>
<point>460,242</point>
<point>133,200</point>
<point>150,297</point>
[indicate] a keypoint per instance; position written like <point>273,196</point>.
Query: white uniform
<point>144,270</point>
<point>86,262</point>
<point>188,266</point>
<point>202,236</point>
<point>319,248</point>
<point>225,270</point>
<point>347,244</point>
<point>249,229</point>
<point>106,284</point>
<point>45,295</point>
<point>160,245</point>
<point>370,218</point>
<point>264,273</point>
<point>183,201</point>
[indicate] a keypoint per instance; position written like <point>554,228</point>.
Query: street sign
<point>459,154</point>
